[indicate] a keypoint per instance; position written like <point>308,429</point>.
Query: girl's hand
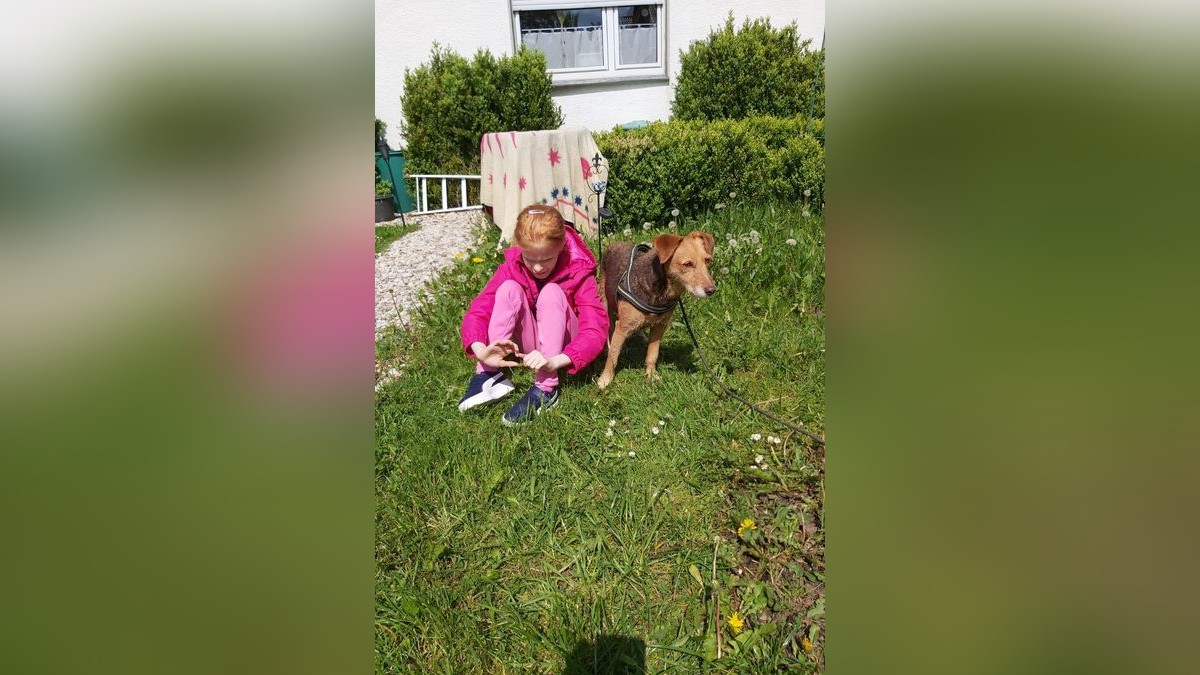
<point>534,360</point>
<point>493,355</point>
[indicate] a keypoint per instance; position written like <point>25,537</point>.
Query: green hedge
<point>757,70</point>
<point>693,166</point>
<point>450,102</point>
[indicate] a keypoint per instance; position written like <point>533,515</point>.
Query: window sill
<point>609,79</point>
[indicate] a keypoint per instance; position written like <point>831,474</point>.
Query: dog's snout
<point>711,290</point>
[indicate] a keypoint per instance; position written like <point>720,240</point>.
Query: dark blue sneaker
<point>485,388</point>
<point>531,405</point>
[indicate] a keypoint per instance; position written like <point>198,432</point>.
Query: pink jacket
<point>575,275</point>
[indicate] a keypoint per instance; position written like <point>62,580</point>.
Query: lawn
<point>623,529</point>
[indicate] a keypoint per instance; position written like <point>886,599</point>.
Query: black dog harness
<point>626,292</point>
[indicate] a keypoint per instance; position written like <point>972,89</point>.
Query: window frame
<point>611,70</point>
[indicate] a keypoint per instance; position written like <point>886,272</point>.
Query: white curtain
<point>568,47</point>
<point>639,44</point>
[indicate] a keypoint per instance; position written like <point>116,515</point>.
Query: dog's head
<point>686,261</point>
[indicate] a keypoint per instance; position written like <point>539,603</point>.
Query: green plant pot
<point>385,208</point>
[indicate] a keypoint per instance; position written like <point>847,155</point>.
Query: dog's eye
<point>688,263</point>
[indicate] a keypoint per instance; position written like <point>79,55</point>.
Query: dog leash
<point>729,390</point>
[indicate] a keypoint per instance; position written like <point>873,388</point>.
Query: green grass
<point>559,547</point>
<point>386,234</point>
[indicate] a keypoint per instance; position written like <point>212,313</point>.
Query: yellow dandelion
<point>476,260</point>
<point>747,525</point>
<point>736,623</point>
<point>806,645</point>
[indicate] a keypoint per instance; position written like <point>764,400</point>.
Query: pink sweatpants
<point>545,328</point>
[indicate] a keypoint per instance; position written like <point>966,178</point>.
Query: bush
<point>757,70</point>
<point>694,165</point>
<point>450,102</point>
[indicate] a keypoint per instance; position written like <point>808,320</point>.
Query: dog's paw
<point>652,376</point>
<point>605,380</point>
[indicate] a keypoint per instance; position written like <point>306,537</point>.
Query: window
<point>593,40</point>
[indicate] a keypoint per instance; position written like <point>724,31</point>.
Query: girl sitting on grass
<point>541,306</point>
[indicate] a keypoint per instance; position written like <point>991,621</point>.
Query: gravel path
<point>416,258</point>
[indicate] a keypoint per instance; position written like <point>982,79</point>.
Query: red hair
<point>538,224</point>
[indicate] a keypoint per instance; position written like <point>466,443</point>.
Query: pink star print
<point>522,182</point>
<point>505,180</point>
<point>489,179</point>
<point>587,168</point>
<point>554,158</point>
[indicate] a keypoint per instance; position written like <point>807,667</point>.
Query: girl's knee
<point>552,295</point>
<point>510,293</point>
<point>509,288</point>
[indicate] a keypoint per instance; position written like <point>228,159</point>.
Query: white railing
<point>422,194</point>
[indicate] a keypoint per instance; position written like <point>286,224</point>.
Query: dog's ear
<point>665,245</point>
<point>709,241</point>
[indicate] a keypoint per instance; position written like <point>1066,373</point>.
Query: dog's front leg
<point>615,342</point>
<point>656,334</point>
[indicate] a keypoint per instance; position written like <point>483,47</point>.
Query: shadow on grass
<point>678,355</point>
<point>608,655</point>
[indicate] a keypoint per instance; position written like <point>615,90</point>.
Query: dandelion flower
<point>632,453</point>
<point>790,242</point>
<point>628,232</point>
<point>807,192</point>
<point>655,430</point>
<point>671,224</point>
<point>756,437</point>
<point>477,259</point>
<point>753,234</point>
<point>612,423</point>
<point>736,623</point>
<point>746,526</point>
<point>732,195</point>
<point>645,226</point>
<point>806,644</point>
<point>724,270</point>
<point>675,212</point>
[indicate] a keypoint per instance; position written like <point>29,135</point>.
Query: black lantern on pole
<point>598,185</point>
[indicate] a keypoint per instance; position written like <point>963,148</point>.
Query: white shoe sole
<point>491,392</point>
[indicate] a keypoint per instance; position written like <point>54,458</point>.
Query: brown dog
<point>658,277</point>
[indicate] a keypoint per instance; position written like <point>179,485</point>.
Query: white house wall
<point>405,32</point>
